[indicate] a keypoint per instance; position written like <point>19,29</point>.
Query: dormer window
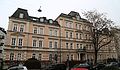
<point>41,19</point>
<point>21,15</point>
<point>78,17</point>
<point>50,21</point>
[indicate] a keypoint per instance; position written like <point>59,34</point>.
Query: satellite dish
<point>39,10</point>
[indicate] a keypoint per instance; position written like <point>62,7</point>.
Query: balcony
<point>81,50</point>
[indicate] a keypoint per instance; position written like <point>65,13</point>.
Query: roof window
<point>50,21</point>
<point>21,15</point>
<point>41,19</point>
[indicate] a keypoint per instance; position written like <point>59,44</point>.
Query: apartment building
<point>31,37</point>
<point>2,41</point>
<point>66,38</point>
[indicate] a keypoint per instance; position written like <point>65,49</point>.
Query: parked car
<point>20,67</point>
<point>99,66</point>
<point>56,67</point>
<point>82,66</point>
<point>112,64</point>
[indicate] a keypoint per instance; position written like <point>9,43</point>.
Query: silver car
<point>18,68</point>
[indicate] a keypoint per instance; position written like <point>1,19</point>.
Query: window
<point>50,44</point>
<point>19,56</point>
<point>77,35</point>
<point>11,56</point>
<point>70,34</point>
<point>70,25</point>
<point>35,30</point>
<point>33,55</point>
<point>20,41</point>
<point>50,33</point>
<point>76,26</point>
<point>13,41</point>
<point>21,15</point>
<point>40,56</point>
<point>41,30</point>
<point>77,46</point>
<point>55,32</point>
<point>50,57</point>
<point>67,56</point>
<point>71,56</point>
<point>81,46</point>
<point>67,24</point>
<point>15,27</point>
<point>71,46</point>
<point>86,36</point>
<point>40,44</point>
<point>55,45</point>
<point>80,36</point>
<point>66,45</point>
<point>21,28</point>
<point>79,27</point>
<point>34,43</point>
<point>56,57</point>
<point>66,34</point>
<point>41,19</point>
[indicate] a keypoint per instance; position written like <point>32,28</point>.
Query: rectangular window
<point>66,34</point>
<point>20,41</point>
<point>70,34</point>
<point>76,35</point>
<point>13,41</point>
<point>15,27</point>
<point>81,46</point>
<point>11,56</point>
<point>34,43</point>
<point>80,36</point>
<point>55,32</point>
<point>71,46</point>
<point>77,46</point>
<point>35,30</point>
<point>41,30</point>
<point>40,56</point>
<point>50,44</point>
<point>21,15</point>
<point>70,25</point>
<point>67,24</point>
<point>79,27</point>
<point>66,45</point>
<point>50,33</point>
<point>19,56</point>
<point>50,57</point>
<point>55,45</point>
<point>21,28</point>
<point>40,44</point>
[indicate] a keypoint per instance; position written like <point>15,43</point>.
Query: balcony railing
<point>81,50</point>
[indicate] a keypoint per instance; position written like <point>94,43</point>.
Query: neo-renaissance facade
<point>66,38</point>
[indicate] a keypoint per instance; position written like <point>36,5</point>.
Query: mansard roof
<point>26,16</point>
<point>73,15</point>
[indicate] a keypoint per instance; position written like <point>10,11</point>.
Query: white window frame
<point>50,44</point>
<point>15,27</point>
<point>21,28</point>
<point>55,44</point>
<point>40,44</point>
<point>21,15</point>
<point>50,32</point>
<point>20,42</point>
<point>35,30</point>
<point>34,44</point>
<point>15,39</point>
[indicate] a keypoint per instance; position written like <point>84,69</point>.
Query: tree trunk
<point>95,58</point>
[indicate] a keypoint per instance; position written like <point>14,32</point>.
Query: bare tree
<point>100,32</point>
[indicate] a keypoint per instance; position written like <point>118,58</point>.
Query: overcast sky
<point>52,8</point>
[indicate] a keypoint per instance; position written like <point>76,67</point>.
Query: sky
<point>53,8</point>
